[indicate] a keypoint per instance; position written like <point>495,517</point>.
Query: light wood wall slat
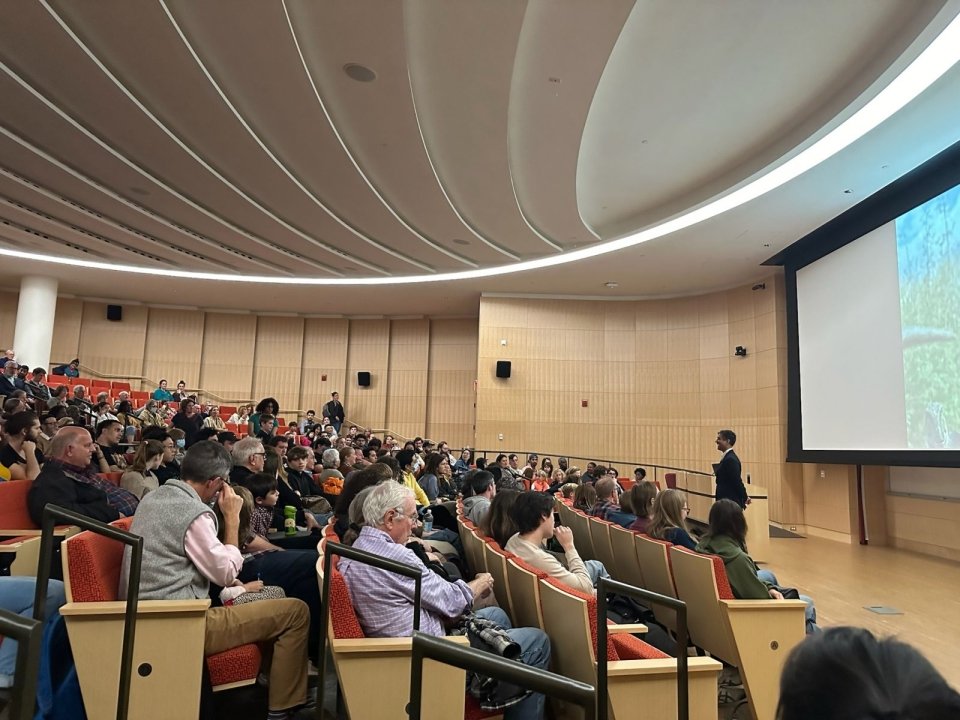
<point>114,348</point>
<point>66,330</point>
<point>173,341</point>
<point>227,357</point>
<point>324,354</point>
<point>368,350</point>
<point>8,318</point>
<point>278,354</point>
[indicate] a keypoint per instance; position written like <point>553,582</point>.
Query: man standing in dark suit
<point>334,411</point>
<point>729,483</point>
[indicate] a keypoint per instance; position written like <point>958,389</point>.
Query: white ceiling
<point>227,137</point>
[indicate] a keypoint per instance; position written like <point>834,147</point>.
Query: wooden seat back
<point>579,524</point>
<point>600,537</point>
<point>524,582</point>
<point>755,635</point>
<point>626,563</point>
<point>655,567</point>
<point>496,560</point>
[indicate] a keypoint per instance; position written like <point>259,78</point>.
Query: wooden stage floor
<point>843,578</point>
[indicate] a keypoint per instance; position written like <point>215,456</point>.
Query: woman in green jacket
<point>726,537</point>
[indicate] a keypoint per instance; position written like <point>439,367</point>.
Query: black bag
<point>788,593</point>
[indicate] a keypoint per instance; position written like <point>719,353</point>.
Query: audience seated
<point>140,478</point>
<point>19,453</point>
<point>669,520</point>
<point>331,479</point>
<point>358,482</point>
<point>482,492</point>
<point>384,601</point>
<point>66,480</point>
<point>606,498</point>
<point>533,514</point>
<point>405,458</point>
<point>108,456</point>
<point>585,497</point>
<point>846,673</point>
<point>642,496</point>
<point>182,557</point>
<point>435,480</point>
<point>726,537</point>
<point>498,522</point>
<point>189,420</point>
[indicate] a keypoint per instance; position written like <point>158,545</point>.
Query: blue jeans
<point>534,652</point>
<point>596,570</point>
<point>16,595</point>
<point>810,612</point>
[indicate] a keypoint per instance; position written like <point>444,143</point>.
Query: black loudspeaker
<point>115,313</point>
<point>363,379</point>
<point>503,368</point>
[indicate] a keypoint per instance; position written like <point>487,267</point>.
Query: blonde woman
<point>139,477</point>
<point>669,521</point>
<point>242,416</point>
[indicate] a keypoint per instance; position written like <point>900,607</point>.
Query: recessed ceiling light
<point>611,284</point>
<point>360,73</point>
<point>460,241</point>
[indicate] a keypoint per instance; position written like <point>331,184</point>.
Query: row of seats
<point>755,636</point>
<point>639,675</point>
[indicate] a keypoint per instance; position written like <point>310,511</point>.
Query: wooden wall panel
<point>659,377</point>
<point>406,406</point>
<point>278,354</point>
<point>113,348</point>
<point>66,331</point>
<point>173,344</point>
<point>8,318</point>
<point>451,393</point>
<point>368,350</point>
<point>226,367</point>
<point>924,525</point>
<point>324,354</point>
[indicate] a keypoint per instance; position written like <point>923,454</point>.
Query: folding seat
<point>359,660</point>
<point>754,635</point>
<point>496,561</point>
<point>654,561</point>
<point>626,563</point>
<point>168,647</point>
<point>600,537</point>
<point>21,535</point>
<point>116,386</point>
<point>524,585</point>
<point>641,680</point>
<point>579,524</point>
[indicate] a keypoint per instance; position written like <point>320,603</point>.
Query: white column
<point>33,336</point>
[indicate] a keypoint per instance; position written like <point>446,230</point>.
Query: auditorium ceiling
<point>420,152</point>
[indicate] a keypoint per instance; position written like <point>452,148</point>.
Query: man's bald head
<point>72,445</point>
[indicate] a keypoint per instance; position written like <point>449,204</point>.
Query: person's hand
<point>28,447</point>
<point>230,503</point>
<point>747,501</point>
<point>564,536</point>
<point>312,523</point>
<point>481,585</point>
<point>253,586</point>
<point>776,594</point>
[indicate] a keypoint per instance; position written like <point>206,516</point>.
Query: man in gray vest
<point>182,556</point>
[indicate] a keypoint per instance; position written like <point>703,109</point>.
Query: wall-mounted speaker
<point>503,368</point>
<point>115,313</point>
<point>363,379</point>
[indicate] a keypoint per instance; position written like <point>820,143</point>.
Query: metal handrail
<point>367,558</point>
<point>607,585</point>
<point>53,513</point>
<point>466,658</point>
<point>29,634</point>
<point>490,454</point>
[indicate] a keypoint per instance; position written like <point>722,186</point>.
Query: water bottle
<point>428,521</point>
<point>289,519</point>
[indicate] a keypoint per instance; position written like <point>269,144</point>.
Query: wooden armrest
<point>379,645</point>
<point>58,531</point>
<point>144,607</point>
<point>14,544</point>
<point>626,628</point>
<point>763,604</point>
<point>661,665</point>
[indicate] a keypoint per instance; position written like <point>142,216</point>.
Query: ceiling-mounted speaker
<point>363,379</point>
<point>115,313</point>
<point>503,368</point>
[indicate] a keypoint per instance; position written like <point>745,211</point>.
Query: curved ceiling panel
<point>461,59</point>
<point>563,49</point>
<point>698,96</point>
<point>376,120</point>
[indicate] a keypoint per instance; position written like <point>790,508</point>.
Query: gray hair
<point>330,458</point>
<point>204,461</point>
<point>355,512</point>
<point>79,389</point>
<point>244,449</point>
<point>383,498</point>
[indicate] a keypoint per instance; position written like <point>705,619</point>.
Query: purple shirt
<point>383,600</point>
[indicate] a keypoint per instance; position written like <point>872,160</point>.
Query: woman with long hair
<point>498,523</point>
<point>267,406</point>
<point>641,497</point>
<point>584,498</point>
<point>669,521</point>
<point>139,478</point>
<point>727,538</point>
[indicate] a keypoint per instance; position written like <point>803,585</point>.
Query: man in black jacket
<point>729,483</point>
<point>334,411</point>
